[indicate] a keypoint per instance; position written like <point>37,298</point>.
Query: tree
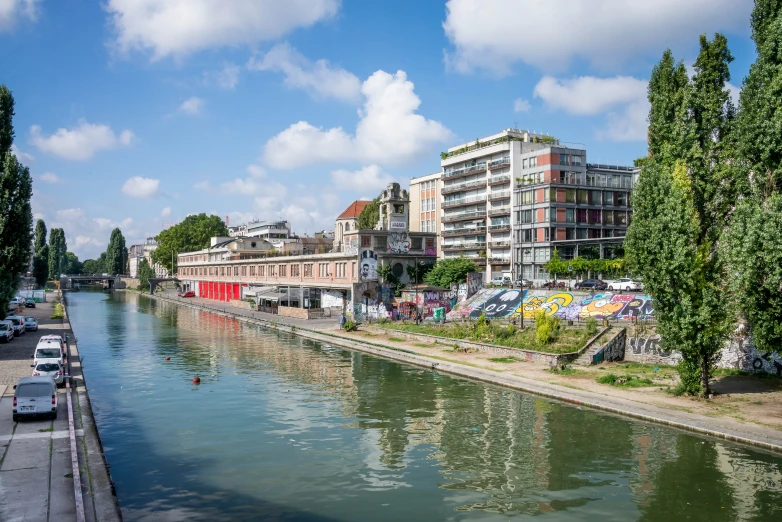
<point>753,242</point>
<point>116,254</point>
<point>16,216</point>
<point>681,203</point>
<point>72,264</point>
<point>449,271</point>
<point>555,265</point>
<point>92,266</point>
<point>40,254</point>
<point>145,273</point>
<point>370,215</point>
<point>57,250</point>
<point>194,233</point>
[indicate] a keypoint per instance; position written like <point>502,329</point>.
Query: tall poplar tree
<point>40,254</point>
<point>116,253</point>
<point>16,218</point>
<point>57,249</point>
<point>753,244</point>
<point>682,200</point>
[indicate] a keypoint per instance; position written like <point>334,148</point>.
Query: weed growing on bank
<point>624,381</point>
<point>59,311</point>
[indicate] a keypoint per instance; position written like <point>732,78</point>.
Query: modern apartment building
<point>266,230</point>
<point>425,204</point>
<point>563,203</point>
<point>477,184</point>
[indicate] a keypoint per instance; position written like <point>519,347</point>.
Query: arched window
<point>347,227</point>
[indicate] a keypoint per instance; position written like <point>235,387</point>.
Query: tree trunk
<point>705,391</point>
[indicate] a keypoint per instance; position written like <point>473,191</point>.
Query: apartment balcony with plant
<point>464,216</point>
<point>460,187</point>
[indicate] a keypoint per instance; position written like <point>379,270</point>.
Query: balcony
<point>502,194</point>
<point>464,216</point>
<point>500,211</point>
<point>499,180</point>
<point>464,246</point>
<point>499,228</point>
<point>499,260</point>
<point>465,171</point>
<point>463,186</point>
<point>499,244</point>
<point>496,164</point>
<point>464,231</point>
<point>469,200</point>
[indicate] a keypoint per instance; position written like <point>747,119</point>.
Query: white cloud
<point>165,212</point>
<point>493,34</point>
<point>11,10</point>
<point>22,157</point>
<point>388,131</point>
<point>203,185</point>
<point>520,105</point>
<point>80,142</point>
<point>588,95</point>
<point>627,124</point>
<point>138,187</point>
<point>192,106</point>
<point>320,79</point>
<point>370,179</point>
<point>87,237</point>
<point>735,93</point>
<point>180,27</point>
<point>225,78</point>
<point>48,177</point>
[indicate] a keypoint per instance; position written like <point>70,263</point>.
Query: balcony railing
<point>499,244</point>
<point>465,171</point>
<point>497,180</point>
<point>502,194</point>
<point>447,218</point>
<point>464,231</point>
<point>499,228</point>
<point>499,163</point>
<point>499,260</point>
<point>463,201</point>
<point>465,246</point>
<point>463,186</point>
<point>500,211</point>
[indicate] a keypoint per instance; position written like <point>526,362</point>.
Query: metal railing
<point>463,201</point>
<point>464,231</point>
<point>463,186</point>
<point>499,163</point>
<point>502,211</point>
<point>502,194</point>
<point>464,215</point>
<point>496,180</point>
<point>465,246</point>
<point>496,228</point>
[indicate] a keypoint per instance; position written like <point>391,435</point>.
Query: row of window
<point>573,215</point>
<point>281,270</point>
<point>428,225</point>
<point>544,234</point>
<point>614,198</point>
<point>428,204</point>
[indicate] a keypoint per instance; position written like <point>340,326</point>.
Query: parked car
<point>35,396</point>
<point>13,304</point>
<point>49,352</point>
<point>592,284</point>
<point>6,331</point>
<point>29,303</point>
<point>189,293</point>
<point>30,324</point>
<point>523,283</point>
<point>53,339</point>
<point>52,370</point>
<point>18,322</point>
<point>623,284</point>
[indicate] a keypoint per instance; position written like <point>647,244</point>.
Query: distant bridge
<point>67,281</point>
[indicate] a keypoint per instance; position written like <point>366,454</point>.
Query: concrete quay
<point>325,330</point>
<point>36,468</point>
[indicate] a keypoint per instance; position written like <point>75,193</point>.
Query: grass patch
<point>625,381</point>
<point>59,311</point>
<point>423,345</point>
<point>564,370</point>
<point>370,335</point>
<point>44,430</point>
<point>504,359</point>
<point>396,340</point>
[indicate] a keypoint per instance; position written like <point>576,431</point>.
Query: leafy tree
<point>57,250</point>
<point>72,264</point>
<point>753,243</point>
<point>194,233</point>
<point>40,254</point>
<point>16,218</point>
<point>417,273</point>
<point>145,273</point>
<point>386,273</point>
<point>681,203</point>
<point>116,254</point>
<point>555,265</point>
<point>92,266</point>
<point>370,215</point>
<point>449,271</point>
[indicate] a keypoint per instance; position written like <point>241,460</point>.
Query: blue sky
<point>136,113</point>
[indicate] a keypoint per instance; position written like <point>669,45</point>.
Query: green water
<point>282,428</point>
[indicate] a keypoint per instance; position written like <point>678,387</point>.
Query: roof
<point>354,209</point>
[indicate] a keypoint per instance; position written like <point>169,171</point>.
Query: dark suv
<point>591,284</point>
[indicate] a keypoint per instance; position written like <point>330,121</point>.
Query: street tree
<point>72,264</point>
<point>16,216</point>
<point>681,204</point>
<point>145,273</point>
<point>369,216</point>
<point>92,266</point>
<point>193,233</point>
<point>753,243</point>
<point>450,271</point>
<point>40,254</point>
<point>116,254</point>
<point>57,250</point>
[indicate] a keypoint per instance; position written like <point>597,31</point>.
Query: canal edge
<point>105,504</point>
<point>550,391</point>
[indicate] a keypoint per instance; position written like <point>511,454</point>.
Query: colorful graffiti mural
<point>500,305</point>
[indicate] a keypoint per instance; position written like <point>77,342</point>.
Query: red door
<point>237,292</point>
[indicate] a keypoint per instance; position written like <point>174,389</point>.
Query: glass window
<point>417,243</point>
<point>524,163</point>
<point>590,179</point>
<point>527,197</point>
<point>581,233</point>
<point>570,195</point>
<point>570,215</point>
<point>621,199</point>
<point>608,197</point>
<point>533,162</point>
<point>608,217</point>
<point>564,159</point>
<point>381,243</point>
<point>526,235</point>
<point>526,254</point>
<point>570,233</point>
<point>596,198</point>
<point>576,160</point>
<point>582,197</point>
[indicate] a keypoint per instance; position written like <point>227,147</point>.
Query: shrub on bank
<point>59,311</point>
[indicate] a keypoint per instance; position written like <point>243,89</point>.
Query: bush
<point>350,325</point>
<point>689,378</point>
<point>59,311</point>
<point>591,326</point>
<point>546,328</point>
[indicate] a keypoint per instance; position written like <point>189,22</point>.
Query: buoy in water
<point>168,358</point>
<point>196,380</point>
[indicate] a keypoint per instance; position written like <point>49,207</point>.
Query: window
<point>272,271</point>
<point>621,199</point>
<point>366,241</point>
<point>341,270</point>
<point>576,160</point>
<point>526,235</point>
<point>262,270</point>
<point>570,215</point>
<point>570,195</point>
<point>596,198</point>
<point>594,216</point>
<point>570,233</point>
<point>381,243</point>
<point>417,243</point>
<point>582,197</point>
<point>295,271</point>
<point>608,217</point>
<point>526,216</point>
<point>323,270</point>
<point>607,232</point>
<point>581,233</point>
<point>542,254</point>
<point>236,270</point>
<point>527,197</point>
<point>564,159</point>
<point>352,269</point>
<point>608,197</point>
<point>526,254</point>
<point>620,218</point>
<point>581,215</point>
<point>244,270</point>
<point>307,269</point>
<point>283,270</point>
<point>533,162</point>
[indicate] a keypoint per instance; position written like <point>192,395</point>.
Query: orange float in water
<point>168,358</point>
<point>196,380</point>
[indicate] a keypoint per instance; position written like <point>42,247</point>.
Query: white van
<point>48,352</point>
<point>35,396</point>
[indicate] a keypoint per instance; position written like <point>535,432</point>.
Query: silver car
<point>35,396</point>
<point>6,331</point>
<point>49,369</point>
<point>30,324</point>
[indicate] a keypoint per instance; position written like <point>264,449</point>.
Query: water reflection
<point>284,427</point>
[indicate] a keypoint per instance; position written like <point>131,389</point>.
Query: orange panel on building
<point>539,195</point>
<point>539,232</point>
<point>541,216</point>
<point>560,217</point>
<point>561,195</point>
<point>561,234</point>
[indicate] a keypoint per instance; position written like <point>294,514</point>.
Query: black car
<point>591,284</point>
<point>30,303</point>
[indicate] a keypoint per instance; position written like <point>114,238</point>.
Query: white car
<point>48,352</point>
<point>47,369</point>
<point>18,322</point>
<point>6,331</point>
<point>54,339</point>
<point>500,280</point>
<point>30,324</point>
<point>623,284</point>
<point>35,396</point>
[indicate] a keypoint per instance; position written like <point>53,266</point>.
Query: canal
<point>283,428</point>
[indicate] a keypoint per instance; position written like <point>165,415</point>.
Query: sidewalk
<point>613,400</point>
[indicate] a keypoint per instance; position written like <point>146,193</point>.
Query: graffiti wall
<point>474,283</point>
<point>501,305</point>
<point>332,298</point>
<point>399,242</point>
<point>368,265</point>
<point>427,301</point>
<point>351,246</point>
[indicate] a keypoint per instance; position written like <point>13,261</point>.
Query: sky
<point>138,113</point>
